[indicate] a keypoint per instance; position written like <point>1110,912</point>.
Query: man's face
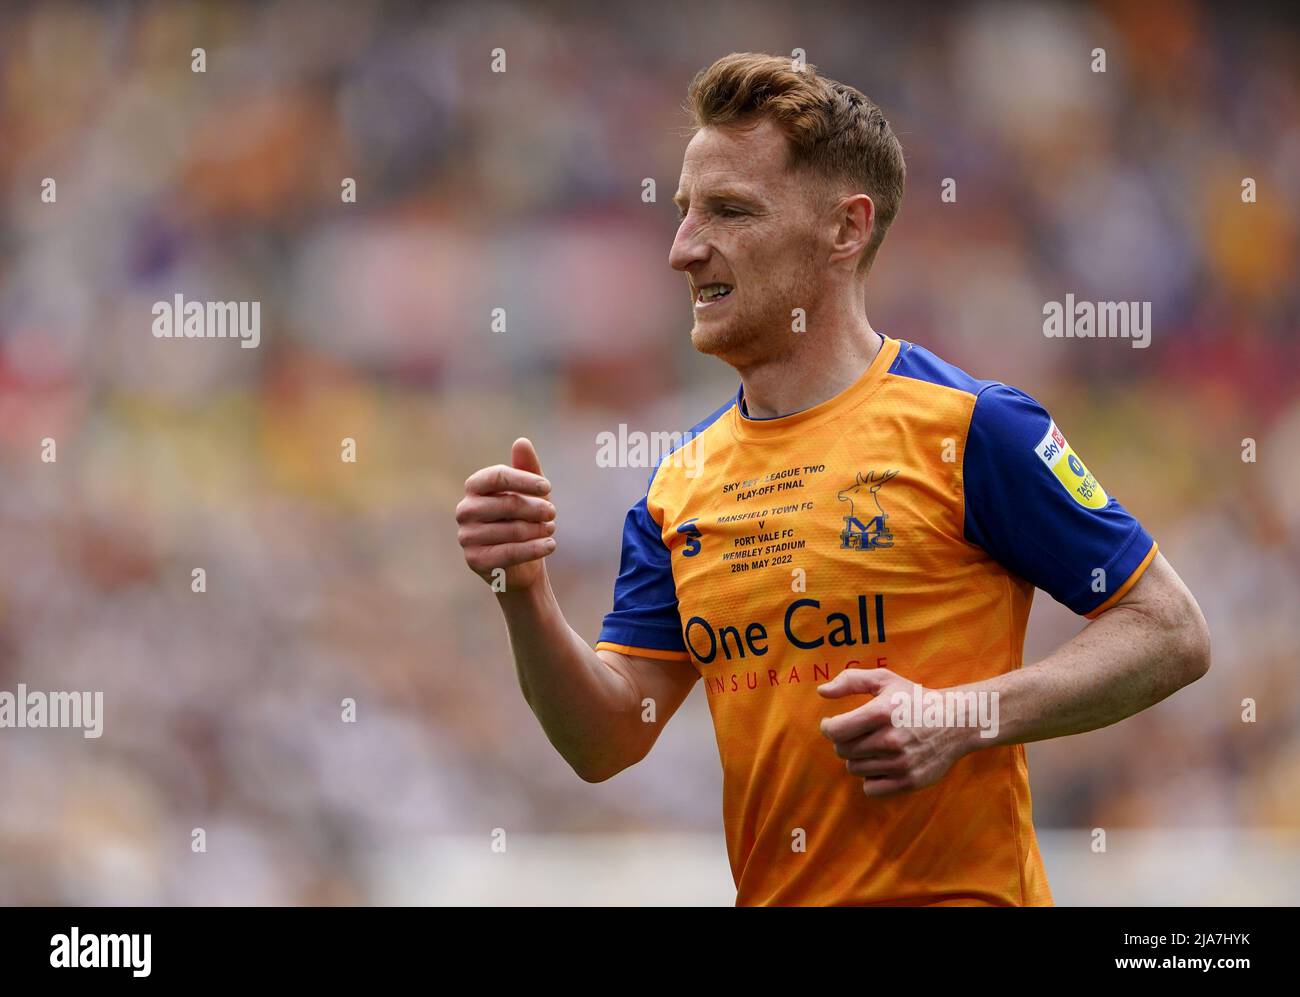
<point>752,225</point>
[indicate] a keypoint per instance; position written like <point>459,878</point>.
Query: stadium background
<point>522,190</point>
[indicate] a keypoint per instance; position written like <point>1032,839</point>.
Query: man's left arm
<point>1146,647</point>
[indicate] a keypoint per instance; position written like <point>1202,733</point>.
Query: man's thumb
<point>524,457</point>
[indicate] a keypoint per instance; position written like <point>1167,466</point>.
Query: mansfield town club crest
<point>865,524</point>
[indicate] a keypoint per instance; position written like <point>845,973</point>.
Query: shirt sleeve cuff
<point>642,652</point>
<point>1134,575</point>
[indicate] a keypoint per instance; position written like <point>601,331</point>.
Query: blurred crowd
<point>329,581</point>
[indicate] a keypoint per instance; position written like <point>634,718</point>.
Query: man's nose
<point>688,248</point>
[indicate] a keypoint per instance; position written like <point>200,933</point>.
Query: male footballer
<point>848,564</point>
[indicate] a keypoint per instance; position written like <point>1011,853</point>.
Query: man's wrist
<point>967,739</point>
<point>525,598</point>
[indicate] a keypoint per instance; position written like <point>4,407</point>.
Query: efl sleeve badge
<point>1070,471</point>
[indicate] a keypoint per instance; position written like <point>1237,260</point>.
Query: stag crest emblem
<point>874,533</point>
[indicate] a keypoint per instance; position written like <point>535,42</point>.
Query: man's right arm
<point>593,705</point>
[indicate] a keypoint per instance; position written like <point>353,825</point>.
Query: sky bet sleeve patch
<point>1070,471</point>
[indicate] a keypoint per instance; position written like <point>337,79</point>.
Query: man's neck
<point>809,375</point>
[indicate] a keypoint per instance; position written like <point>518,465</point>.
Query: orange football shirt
<point>904,524</point>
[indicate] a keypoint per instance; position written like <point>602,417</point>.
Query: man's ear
<point>853,220</point>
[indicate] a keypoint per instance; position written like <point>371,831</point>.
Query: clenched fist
<point>506,520</point>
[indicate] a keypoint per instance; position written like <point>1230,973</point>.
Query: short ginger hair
<point>836,134</point>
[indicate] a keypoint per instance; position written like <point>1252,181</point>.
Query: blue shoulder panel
<point>645,596</point>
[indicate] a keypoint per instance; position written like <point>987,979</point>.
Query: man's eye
<point>723,212</point>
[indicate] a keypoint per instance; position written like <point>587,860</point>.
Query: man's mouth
<point>709,293</point>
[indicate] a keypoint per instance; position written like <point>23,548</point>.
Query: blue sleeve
<point>1034,506</point>
<point>645,596</point>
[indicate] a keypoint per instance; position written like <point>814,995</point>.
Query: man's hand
<point>890,759</point>
<point>506,520</point>
<point>590,703</point>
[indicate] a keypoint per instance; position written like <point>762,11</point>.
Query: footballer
<point>864,527</point>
